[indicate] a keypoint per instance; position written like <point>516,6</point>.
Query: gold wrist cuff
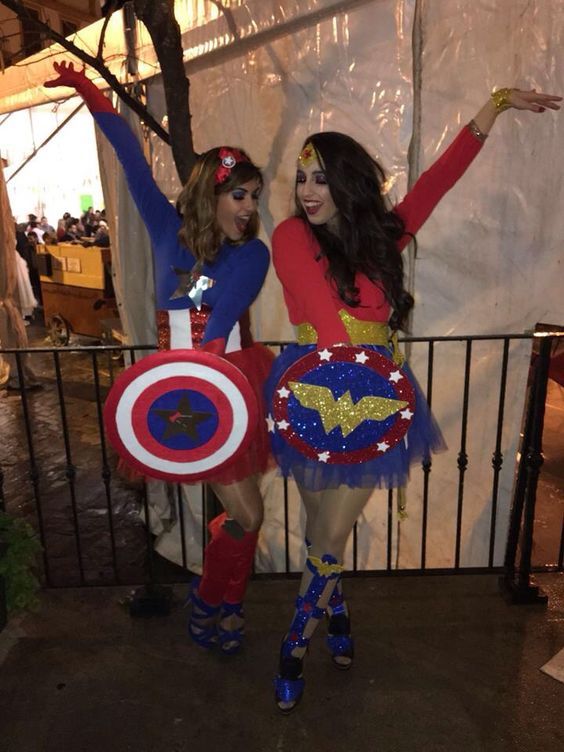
<point>473,128</point>
<point>500,98</point>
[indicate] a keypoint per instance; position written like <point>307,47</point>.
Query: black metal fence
<point>58,471</point>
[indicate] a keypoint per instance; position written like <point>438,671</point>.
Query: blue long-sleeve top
<point>238,271</point>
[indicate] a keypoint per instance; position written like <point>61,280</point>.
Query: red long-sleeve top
<point>312,297</point>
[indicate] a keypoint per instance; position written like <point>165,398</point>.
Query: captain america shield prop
<point>181,415</point>
<point>343,405</point>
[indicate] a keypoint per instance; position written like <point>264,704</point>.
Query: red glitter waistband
<point>198,321</point>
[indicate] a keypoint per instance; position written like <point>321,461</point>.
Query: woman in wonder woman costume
<point>344,240</point>
<point>213,240</point>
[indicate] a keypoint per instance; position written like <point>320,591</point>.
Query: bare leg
<point>311,500</point>
<point>242,502</point>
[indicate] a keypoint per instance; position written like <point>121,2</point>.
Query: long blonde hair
<point>197,203</point>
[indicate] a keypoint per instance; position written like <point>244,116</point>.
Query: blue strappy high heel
<point>230,640</point>
<point>289,685</point>
<point>339,638</point>
<point>203,634</point>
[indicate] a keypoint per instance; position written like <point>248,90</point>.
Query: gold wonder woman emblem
<point>343,412</point>
<point>307,155</point>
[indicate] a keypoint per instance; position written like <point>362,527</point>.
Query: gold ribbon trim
<point>360,333</point>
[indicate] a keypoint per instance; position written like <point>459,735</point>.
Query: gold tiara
<point>307,155</point>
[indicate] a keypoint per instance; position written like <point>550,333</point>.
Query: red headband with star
<point>228,158</point>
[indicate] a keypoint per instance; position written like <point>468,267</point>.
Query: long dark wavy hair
<point>365,239</point>
<point>197,203</point>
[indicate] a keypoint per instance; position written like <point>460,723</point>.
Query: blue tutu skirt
<point>389,470</point>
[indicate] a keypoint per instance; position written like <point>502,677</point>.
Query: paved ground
<point>443,664</point>
<point>70,493</point>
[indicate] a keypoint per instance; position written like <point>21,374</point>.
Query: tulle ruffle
<point>255,362</point>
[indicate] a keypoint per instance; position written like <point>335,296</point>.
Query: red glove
<point>75,79</point>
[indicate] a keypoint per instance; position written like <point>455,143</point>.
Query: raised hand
<point>77,79</point>
<point>68,76</point>
<point>532,100</point>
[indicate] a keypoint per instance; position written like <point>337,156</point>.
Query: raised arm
<point>152,204</point>
<point>453,163</point>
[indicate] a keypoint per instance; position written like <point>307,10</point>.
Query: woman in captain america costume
<point>366,430</point>
<point>209,268</point>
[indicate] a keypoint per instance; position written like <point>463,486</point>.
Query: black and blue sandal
<point>339,638</point>
<point>340,641</point>
<point>202,625</point>
<point>230,640</point>
<point>289,684</point>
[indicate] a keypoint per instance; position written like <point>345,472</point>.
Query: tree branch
<point>21,11</point>
<point>99,54</point>
<point>228,15</point>
<point>159,19</point>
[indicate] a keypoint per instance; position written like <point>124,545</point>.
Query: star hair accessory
<point>307,155</point>
<point>228,159</point>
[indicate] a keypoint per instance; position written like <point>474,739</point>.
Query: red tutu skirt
<point>255,362</point>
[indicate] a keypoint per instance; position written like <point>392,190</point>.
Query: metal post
<point>3,604</point>
<point>520,588</point>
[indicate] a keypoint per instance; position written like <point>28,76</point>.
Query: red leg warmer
<point>227,564</point>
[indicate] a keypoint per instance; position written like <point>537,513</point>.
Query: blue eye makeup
<point>239,194</point>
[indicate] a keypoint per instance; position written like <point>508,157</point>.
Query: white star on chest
<point>323,456</point>
<point>325,354</point>
<point>406,414</point>
<point>284,393</point>
<point>382,446</point>
<point>283,425</point>
<point>361,357</point>
<point>270,423</point>
<point>395,376</point>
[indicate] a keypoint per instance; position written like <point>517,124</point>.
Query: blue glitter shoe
<point>289,685</point>
<point>339,638</point>
<point>340,641</point>
<point>230,640</point>
<point>202,627</point>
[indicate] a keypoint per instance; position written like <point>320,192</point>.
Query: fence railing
<point>58,471</point>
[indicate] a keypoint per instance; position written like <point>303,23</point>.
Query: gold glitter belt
<point>360,333</point>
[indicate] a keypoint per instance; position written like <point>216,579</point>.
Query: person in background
<point>50,238</point>
<point>72,232</point>
<point>34,228</point>
<point>62,225</point>
<point>28,251</point>
<point>44,226</point>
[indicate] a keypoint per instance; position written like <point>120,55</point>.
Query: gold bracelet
<point>500,98</point>
<point>473,128</point>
